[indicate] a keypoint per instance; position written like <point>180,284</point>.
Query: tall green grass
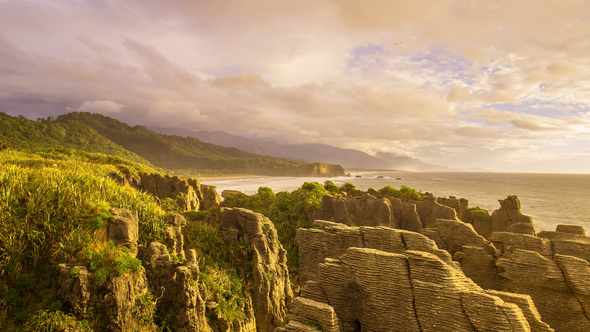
<point>53,204</point>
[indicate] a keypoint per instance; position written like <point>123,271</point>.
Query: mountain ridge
<point>316,152</point>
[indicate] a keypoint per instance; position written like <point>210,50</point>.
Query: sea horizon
<point>550,198</point>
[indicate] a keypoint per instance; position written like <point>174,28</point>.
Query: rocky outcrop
<point>367,210</point>
<point>166,281</point>
<point>508,215</point>
<point>461,206</point>
<point>383,279</point>
<point>552,268</point>
<point>118,300</point>
<point>473,252</point>
<point>210,196</point>
<point>429,211</point>
<point>188,194</point>
<point>174,285</point>
<point>272,288</point>
<point>123,229</point>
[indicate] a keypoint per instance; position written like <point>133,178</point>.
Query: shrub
<point>348,187</point>
<point>108,260</point>
<point>479,213</point>
<point>330,186</point>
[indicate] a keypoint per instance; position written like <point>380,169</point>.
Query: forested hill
<point>99,133</point>
<point>20,132</point>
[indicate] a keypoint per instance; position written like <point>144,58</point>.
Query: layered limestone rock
<point>189,194</point>
<point>367,210</point>
<point>551,285</point>
<point>272,288</point>
<point>461,206</point>
<point>430,211</point>
<point>509,215</point>
<point>382,279</point>
<point>117,300</point>
<point>174,284</point>
<point>124,301</point>
<point>551,268</point>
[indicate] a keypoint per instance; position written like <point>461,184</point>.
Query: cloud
<point>312,71</point>
<point>105,107</point>
<point>564,68</point>
<point>500,97</point>
<point>245,80</point>
<point>496,117</point>
<point>459,93</point>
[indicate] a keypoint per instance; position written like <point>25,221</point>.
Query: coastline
<point>231,177</point>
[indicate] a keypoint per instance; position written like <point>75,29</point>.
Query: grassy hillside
<point>19,132</point>
<point>186,153</point>
<point>54,208</point>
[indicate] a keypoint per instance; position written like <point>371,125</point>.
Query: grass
<point>49,321</point>
<point>53,209</point>
<point>479,213</point>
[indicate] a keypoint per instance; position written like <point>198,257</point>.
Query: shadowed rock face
<point>382,279</point>
<point>123,229</point>
<point>272,287</point>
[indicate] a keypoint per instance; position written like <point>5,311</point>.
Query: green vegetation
<point>288,211</point>
<point>225,268</point>
<point>175,152</point>
<point>404,192</point>
<point>314,325</point>
<point>479,213</point>
<point>48,216</point>
<point>55,321</point>
<point>19,132</point>
<point>330,186</point>
<point>107,260</point>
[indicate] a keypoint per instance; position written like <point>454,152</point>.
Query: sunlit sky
<point>501,85</point>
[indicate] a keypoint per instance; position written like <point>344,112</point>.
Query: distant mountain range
<point>348,158</point>
<point>187,155</point>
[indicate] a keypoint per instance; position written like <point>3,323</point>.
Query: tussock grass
<point>53,204</point>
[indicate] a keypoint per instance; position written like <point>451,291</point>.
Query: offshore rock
<point>272,287</point>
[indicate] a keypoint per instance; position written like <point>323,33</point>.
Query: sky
<point>502,85</point>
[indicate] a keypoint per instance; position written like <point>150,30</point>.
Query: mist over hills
<point>348,158</point>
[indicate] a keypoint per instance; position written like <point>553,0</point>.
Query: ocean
<point>551,199</point>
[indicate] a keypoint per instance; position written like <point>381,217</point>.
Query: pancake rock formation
<point>383,279</point>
